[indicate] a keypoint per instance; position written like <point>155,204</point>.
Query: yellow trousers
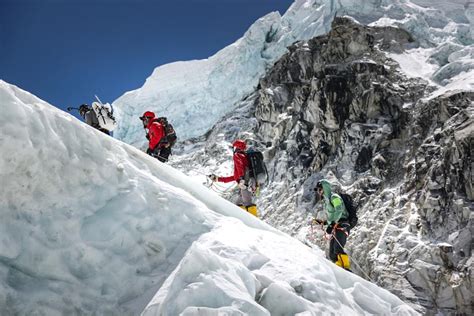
<point>343,261</point>
<point>252,209</point>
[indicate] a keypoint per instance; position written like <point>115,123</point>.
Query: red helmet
<point>239,144</point>
<point>147,115</point>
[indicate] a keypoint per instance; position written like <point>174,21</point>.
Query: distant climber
<point>158,144</point>
<point>100,116</point>
<point>338,226</point>
<point>90,117</point>
<point>247,184</point>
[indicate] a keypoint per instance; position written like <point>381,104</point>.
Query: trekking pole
<point>70,108</point>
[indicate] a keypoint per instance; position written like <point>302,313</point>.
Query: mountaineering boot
<point>343,261</point>
<point>252,209</point>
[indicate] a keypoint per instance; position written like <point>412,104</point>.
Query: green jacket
<point>333,203</point>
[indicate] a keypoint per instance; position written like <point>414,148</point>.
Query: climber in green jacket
<point>337,223</point>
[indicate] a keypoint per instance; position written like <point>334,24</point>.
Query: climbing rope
<point>333,236</point>
<point>219,189</point>
<point>353,260</point>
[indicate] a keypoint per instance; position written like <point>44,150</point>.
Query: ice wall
<point>195,94</point>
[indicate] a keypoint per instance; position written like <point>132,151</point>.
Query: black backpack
<point>169,130</point>
<point>351,209</point>
<point>257,168</point>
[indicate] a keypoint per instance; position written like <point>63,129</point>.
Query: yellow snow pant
<point>252,209</point>
<point>343,261</point>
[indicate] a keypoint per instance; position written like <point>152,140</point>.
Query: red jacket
<point>156,132</point>
<point>240,165</point>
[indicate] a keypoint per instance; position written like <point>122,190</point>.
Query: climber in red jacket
<point>155,134</point>
<point>246,184</point>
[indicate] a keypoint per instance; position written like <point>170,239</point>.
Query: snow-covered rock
<point>92,226</point>
<point>337,107</point>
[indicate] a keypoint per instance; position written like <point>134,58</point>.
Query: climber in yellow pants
<point>252,209</point>
<point>338,226</point>
<point>246,184</point>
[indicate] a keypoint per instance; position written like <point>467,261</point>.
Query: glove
<point>147,136</point>
<point>242,185</point>
<point>149,151</point>
<point>329,229</point>
<point>213,177</point>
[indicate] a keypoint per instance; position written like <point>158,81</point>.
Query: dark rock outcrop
<point>337,107</point>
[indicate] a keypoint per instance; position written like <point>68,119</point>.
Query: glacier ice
<point>195,94</point>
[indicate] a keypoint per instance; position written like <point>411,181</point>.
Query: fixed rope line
<point>333,236</point>
<point>353,260</point>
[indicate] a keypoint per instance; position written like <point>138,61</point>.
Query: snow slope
<point>284,201</point>
<point>194,95</point>
<point>92,225</point>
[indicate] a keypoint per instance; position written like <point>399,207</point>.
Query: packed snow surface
<point>194,95</point>
<point>94,226</point>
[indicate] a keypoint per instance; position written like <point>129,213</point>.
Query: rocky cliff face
<point>337,107</point>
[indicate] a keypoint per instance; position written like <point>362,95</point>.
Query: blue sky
<point>65,51</point>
